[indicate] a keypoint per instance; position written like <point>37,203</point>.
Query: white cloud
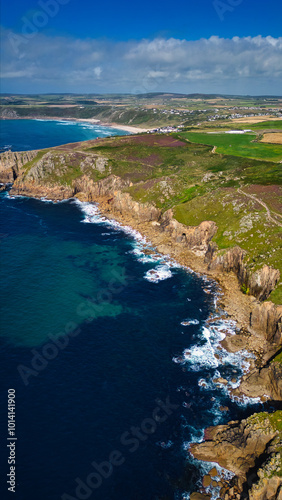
<point>97,71</point>
<point>250,65</point>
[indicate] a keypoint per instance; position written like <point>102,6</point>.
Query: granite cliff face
<point>267,319</point>
<point>260,283</point>
<point>251,449</point>
<point>264,381</point>
<point>11,164</point>
<point>195,238</point>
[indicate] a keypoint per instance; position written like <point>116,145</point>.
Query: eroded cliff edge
<point>252,450</point>
<point>89,173</point>
<point>77,170</point>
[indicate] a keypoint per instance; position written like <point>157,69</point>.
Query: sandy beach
<point>126,128</point>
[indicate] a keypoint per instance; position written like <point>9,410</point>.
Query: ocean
<point>26,135</point>
<point>113,352</point>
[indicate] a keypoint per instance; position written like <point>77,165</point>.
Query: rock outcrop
<point>49,192</point>
<point>85,188</point>
<point>11,164</point>
<point>266,318</point>
<point>195,238</point>
<point>251,449</point>
<point>123,203</point>
<point>263,381</point>
<point>262,282</point>
<point>119,201</point>
<point>230,260</point>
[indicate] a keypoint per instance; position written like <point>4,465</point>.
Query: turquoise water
<point>98,333</point>
<point>25,135</point>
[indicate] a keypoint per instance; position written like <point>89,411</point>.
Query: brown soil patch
<point>275,138</point>
<point>255,119</point>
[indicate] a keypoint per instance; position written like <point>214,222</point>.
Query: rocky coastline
<point>251,449</point>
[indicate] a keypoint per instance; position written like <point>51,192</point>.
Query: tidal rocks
<point>199,496</point>
<point>251,449</point>
<point>266,381</point>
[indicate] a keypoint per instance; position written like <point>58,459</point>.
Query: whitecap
<point>159,273</point>
<point>188,322</point>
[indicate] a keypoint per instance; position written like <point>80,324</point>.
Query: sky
<point>83,46</point>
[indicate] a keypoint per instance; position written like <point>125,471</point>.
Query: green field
<point>272,125</point>
<point>237,145</point>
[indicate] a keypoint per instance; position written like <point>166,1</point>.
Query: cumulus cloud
<point>41,63</point>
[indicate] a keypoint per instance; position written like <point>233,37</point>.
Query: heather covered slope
<point>241,195</point>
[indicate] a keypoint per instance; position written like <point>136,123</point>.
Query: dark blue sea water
<point>107,346</point>
<point>25,135</point>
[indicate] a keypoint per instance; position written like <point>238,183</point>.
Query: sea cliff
<point>128,190</point>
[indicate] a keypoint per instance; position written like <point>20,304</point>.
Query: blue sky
<point>117,45</point>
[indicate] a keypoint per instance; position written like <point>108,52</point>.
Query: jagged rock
<point>92,191</point>
<point>221,380</point>
<point>199,496</point>
<point>267,489</point>
<point>267,318</point>
<point>94,163</point>
<point>231,260</point>
<point>123,202</point>
<point>195,238</point>
<point>260,283</point>
<point>267,380</point>
<point>235,446</point>
<point>35,190</point>
<point>252,450</point>
<point>12,163</point>
<point>263,281</point>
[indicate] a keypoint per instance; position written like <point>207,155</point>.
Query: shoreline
<point>230,298</point>
<point>127,128</point>
<point>237,305</point>
<point>249,334</point>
